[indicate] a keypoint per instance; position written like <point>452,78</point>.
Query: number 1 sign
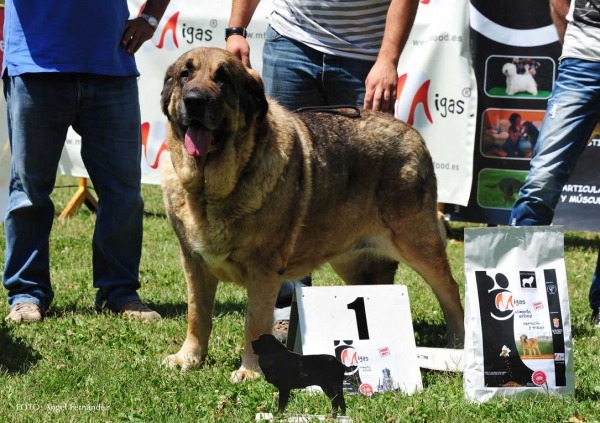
<point>367,327</point>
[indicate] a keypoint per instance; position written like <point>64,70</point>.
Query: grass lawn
<point>489,195</point>
<point>78,366</point>
<point>501,92</point>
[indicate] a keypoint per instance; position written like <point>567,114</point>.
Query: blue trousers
<point>299,76</point>
<point>105,111</point>
<point>571,116</point>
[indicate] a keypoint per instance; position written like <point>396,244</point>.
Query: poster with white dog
<point>515,58</point>
<point>517,319</point>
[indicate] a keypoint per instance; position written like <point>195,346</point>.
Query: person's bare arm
<point>241,14</point>
<point>558,11</point>
<point>137,31</point>
<point>382,81</point>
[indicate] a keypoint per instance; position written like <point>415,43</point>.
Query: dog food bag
<point>517,321</point>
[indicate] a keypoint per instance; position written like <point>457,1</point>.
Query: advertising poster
<point>515,57</point>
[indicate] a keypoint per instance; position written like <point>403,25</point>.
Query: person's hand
<point>381,85</point>
<point>136,32</point>
<point>239,46</point>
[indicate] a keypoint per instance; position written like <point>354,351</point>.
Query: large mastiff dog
<point>258,195</point>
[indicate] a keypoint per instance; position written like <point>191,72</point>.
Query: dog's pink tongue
<point>197,139</point>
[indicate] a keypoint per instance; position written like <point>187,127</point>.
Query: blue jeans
<point>299,76</point>
<point>105,111</point>
<point>571,116</point>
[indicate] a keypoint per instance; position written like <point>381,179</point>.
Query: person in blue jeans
<point>71,63</point>
<point>571,115</point>
<point>324,54</point>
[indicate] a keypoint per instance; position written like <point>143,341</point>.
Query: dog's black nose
<point>195,101</point>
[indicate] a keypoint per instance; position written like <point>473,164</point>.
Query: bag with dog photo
<point>517,321</point>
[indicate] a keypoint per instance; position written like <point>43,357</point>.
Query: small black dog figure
<point>288,370</point>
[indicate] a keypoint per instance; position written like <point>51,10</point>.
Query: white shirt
<point>342,28</point>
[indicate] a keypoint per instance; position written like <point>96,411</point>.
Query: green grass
<point>76,358</point>
<point>491,197</point>
<point>501,92</point>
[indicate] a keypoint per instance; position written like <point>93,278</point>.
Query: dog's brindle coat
<point>258,195</point>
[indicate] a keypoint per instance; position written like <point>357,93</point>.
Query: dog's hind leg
<point>201,287</point>
<point>421,244</point>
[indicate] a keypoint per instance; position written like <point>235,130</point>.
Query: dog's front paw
<point>185,361</point>
<point>243,374</point>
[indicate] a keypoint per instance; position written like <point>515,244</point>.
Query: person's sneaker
<point>596,317</point>
<point>280,330</point>
<point>139,310</point>
<point>25,313</point>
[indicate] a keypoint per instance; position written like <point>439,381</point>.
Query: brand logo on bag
<point>348,355</point>
<point>551,288</point>
<point>504,301</point>
<point>559,356</point>
<point>556,322</point>
<point>538,305</point>
<point>539,378</point>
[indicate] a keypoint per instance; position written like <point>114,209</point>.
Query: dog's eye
<point>183,76</point>
<point>222,75</point>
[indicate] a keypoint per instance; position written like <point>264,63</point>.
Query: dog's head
<point>523,338</point>
<point>509,69</point>
<point>208,95</point>
<point>267,344</point>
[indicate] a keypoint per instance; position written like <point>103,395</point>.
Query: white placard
<point>367,327</point>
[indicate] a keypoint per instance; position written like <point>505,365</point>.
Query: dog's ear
<point>167,91</point>
<point>256,99</point>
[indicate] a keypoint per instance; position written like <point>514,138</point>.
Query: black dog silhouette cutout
<point>288,370</point>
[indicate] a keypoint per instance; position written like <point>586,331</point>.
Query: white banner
<point>437,91</point>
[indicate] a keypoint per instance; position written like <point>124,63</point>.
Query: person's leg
<point>344,80</point>
<point>292,72</point>
<point>109,124</point>
<point>40,108</point>
<point>571,115</point>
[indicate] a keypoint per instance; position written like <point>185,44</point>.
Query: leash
<point>336,110</point>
